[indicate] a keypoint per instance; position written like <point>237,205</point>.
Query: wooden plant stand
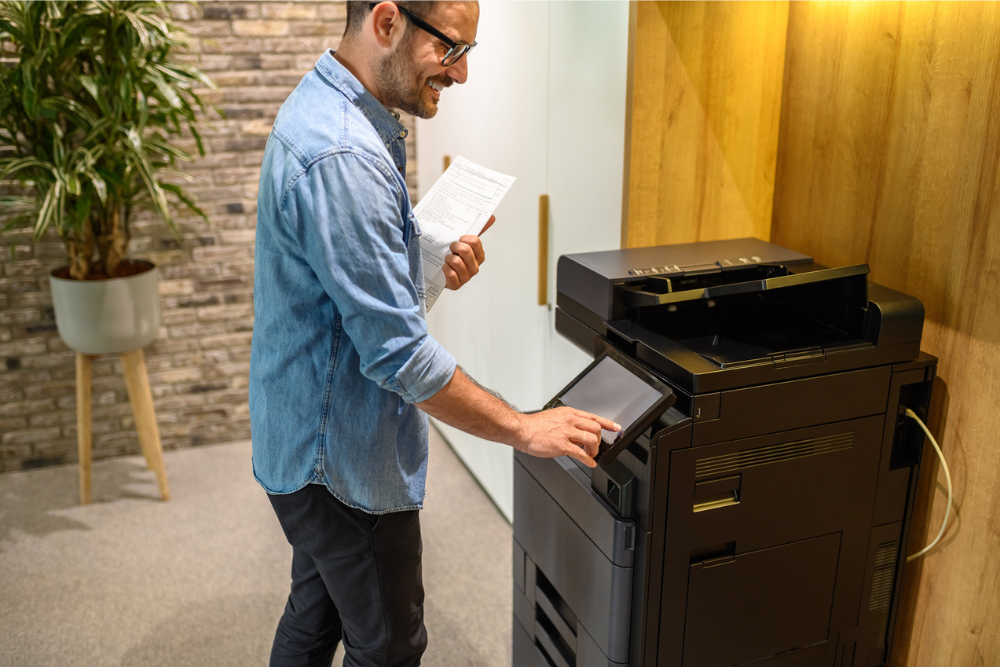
<point>141,398</point>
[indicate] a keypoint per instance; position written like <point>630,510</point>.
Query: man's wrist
<point>518,429</point>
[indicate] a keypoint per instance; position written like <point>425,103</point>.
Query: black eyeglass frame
<point>455,49</point>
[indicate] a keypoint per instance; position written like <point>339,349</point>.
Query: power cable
<point>947,475</point>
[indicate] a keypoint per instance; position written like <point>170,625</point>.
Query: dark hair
<point>357,12</point>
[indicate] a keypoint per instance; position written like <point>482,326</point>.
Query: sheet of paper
<point>460,203</point>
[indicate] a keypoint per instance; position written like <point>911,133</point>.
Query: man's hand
<point>563,432</point>
<point>466,256</point>
<point>560,432</point>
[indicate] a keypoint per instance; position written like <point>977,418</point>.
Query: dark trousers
<point>356,577</point>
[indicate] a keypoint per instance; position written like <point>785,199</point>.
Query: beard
<point>402,87</point>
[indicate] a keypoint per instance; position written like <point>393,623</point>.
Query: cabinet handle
<point>543,250</point>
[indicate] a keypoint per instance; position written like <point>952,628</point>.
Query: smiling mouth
<point>435,86</point>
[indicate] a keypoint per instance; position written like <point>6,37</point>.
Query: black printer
<point>763,518</point>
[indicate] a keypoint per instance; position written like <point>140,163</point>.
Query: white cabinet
<point>545,102</point>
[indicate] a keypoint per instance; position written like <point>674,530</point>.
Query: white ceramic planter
<point>107,316</point>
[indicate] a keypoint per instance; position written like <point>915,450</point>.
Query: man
<point>342,369</point>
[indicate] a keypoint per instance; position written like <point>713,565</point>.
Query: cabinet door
<point>545,102</point>
<point>493,325</point>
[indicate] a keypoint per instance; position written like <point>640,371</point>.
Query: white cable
<point>947,475</point>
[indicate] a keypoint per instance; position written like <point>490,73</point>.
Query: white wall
<point>545,102</point>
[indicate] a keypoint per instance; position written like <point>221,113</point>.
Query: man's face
<point>411,78</point>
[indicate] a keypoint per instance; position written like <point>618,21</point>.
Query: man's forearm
<point>560,432</point>
<point>491,392</point>
<point>467,406</point>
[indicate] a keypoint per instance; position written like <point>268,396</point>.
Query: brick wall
<point>256,53</point>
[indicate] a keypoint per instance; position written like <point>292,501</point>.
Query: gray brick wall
<point>256,53</point>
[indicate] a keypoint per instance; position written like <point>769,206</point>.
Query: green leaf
<point>169,94</point>
<point>30,97</point>
<point>187,201</point>
<point>140,28</point>
<point>47,212</point>
<point>145,170</point>
<point>81,211</point>
<point>11,29</point>
<point>134,140</point>
<point>19,164</point>
<point>168,149</point>
<point>98,128</point>
<point>77,112</point>
<point>90,86</point>
<point>197,140</point>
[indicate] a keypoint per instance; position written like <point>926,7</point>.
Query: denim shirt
<point>340,348</point>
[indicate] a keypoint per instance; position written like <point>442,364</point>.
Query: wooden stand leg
<point>134,389</point>
<point>83,423</point>
<point>137,383</point>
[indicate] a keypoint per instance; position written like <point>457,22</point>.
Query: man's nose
<point>459,72</point>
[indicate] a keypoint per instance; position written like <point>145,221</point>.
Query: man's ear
<point>387,25</point>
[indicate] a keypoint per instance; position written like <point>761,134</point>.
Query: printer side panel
<point>788,545</point>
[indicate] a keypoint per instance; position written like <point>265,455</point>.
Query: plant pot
<point>107,316</point>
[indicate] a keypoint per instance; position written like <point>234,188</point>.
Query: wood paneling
<point>889,154</point>
<point>704,104</point>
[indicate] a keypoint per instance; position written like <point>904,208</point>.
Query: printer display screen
<point>611,391</point>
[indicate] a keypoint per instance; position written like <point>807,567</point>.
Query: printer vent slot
<point>880,600</point>
<point>786,451</point>
<point>885,570</point>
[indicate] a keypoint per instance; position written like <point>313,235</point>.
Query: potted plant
<point>90,109</point>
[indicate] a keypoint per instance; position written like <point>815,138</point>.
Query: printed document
<point>460,203</point>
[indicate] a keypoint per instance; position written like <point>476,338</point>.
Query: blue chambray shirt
<point>340,346</point>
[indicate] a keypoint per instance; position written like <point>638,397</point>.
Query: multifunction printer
<point>759,509</point>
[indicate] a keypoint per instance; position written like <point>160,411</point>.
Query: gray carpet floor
<point>201,580</point>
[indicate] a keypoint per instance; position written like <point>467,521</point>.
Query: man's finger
<point>588,425</point>
<point>475,244</point>
<point>589,441</point>
<point>581,455</point>
<point>450,278</point>
<point>606,424</point>
<point>467,254</point>
<point>458,268</point>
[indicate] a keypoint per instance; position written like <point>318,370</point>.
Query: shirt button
<point>402,134</point>
<point>400,169</point>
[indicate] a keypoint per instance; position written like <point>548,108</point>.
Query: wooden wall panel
<point>704,104</point>
<point>889,154</point>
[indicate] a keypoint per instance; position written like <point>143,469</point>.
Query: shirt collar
<point>385,122</point>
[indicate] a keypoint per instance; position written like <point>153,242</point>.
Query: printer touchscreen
<point>613,391</point>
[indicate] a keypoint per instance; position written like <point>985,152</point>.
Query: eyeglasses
<point>455,49</point>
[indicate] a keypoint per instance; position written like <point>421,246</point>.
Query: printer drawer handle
<point>726,499</point>
<point>715,493</point>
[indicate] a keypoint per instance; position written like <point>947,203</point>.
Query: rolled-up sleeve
<point>348,217</point>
